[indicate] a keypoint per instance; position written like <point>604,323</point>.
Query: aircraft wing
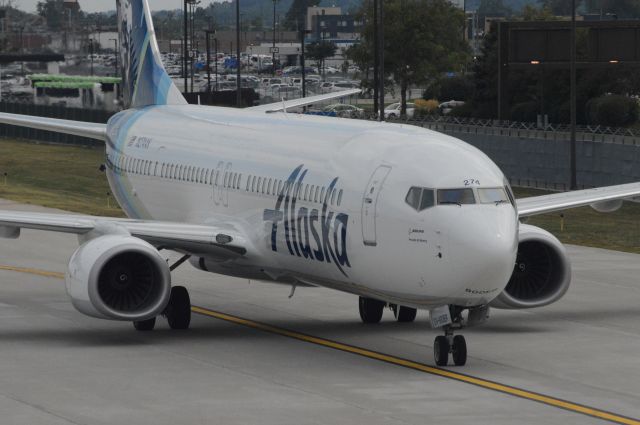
<point>76,128</point>
<point>579,198</point>
<point>304,101</point>
<point>221,239</point>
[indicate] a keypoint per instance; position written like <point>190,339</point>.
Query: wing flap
<point>76,128</point>
<point>304,101</point>
<point>580,198</point>
<point>218,239</point>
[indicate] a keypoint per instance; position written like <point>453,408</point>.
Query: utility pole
<point>572,150</point>
<point>238,63</point>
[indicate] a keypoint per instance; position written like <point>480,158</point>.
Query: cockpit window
<point>495,195</point>
<point>420,198</point>
<point>456,196</point>
<point>512,198</point>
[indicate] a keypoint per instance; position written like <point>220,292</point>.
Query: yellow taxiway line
<point>387,358</point>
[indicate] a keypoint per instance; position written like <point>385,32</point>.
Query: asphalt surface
<point>60,367</point>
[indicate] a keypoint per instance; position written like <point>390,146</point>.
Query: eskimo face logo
<point>316,235</point>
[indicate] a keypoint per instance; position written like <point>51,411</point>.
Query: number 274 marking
<point>472,182</point>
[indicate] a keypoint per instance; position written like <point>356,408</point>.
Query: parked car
<point>393,110</point>
<point>446,107</point>
<point>345,111</point>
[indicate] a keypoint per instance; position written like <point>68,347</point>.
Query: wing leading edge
<point>76,128</point>
<point>561,201</point>
<point>221,239</point>
<point>304,101</point>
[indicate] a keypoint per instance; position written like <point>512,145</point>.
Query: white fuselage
<point>322,200</point>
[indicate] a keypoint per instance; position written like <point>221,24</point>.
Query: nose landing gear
<point>446,344</point>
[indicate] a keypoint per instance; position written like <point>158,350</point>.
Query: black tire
<point>145,325</point>
<point>178,311</point>
<point>405,314</point>
<point>441,350</point>
<point>370,310</point>
<point>459,351</point>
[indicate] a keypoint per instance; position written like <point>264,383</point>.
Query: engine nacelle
<point>118,277</point>
<point>542,273</point>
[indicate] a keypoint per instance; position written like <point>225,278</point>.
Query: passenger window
<point>315,194</point>
<point>248,182</point>
<point>253,184</point>
<point>333,197</point>
<point>456,197</point>
<point>306,192</point>
<point>340,197</point>
<point>279,186</point>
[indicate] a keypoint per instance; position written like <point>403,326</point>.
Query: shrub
<point>613,111</point>
<point>426,107</point>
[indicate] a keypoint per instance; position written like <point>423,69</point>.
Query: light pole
<point>381,58</point>
<point>208,33</point>
<point>91,54</point>
<point>273,50</point>
<point>238,64</point>
<point>303,34</point>
<point>572,150</point>
<point>215,44</point>
<point>115,69</point>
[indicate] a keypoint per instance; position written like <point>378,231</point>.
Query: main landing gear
<point>177,312</point>
<point>371,311</point>
<point>449,343</point>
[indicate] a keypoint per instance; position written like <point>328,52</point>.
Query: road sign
<point>274,50</point>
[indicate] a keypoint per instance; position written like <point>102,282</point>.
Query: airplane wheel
<point>178,311</point>
<point>370,310</point>
<point>459,351</point>
<point>405,314</point>
<point>145,325</point>
<point>441,350</point>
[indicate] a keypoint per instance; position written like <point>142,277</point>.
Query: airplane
<point>400,216</point>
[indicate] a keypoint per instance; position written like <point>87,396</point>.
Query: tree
<point>320,51</point>
<point>492,8</point>
<point>423,40</point>
<point>560,7</point>
<point>296,16</point>
<point>623,9</point>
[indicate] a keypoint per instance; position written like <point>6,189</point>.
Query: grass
<point>68,178</point>
<point>55,176</point>
<point>619,230</point>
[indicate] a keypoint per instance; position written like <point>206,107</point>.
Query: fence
<point>61,112</point>
<point>539,157</point>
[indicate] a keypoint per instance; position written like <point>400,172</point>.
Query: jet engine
<point>542,273</point>
<point>118,277</point>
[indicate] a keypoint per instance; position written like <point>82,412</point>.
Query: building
<point>330,24</point>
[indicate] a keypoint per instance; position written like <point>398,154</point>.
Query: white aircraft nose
<point>482,250</point>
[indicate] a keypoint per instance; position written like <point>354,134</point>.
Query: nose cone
<point>483,244</point>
